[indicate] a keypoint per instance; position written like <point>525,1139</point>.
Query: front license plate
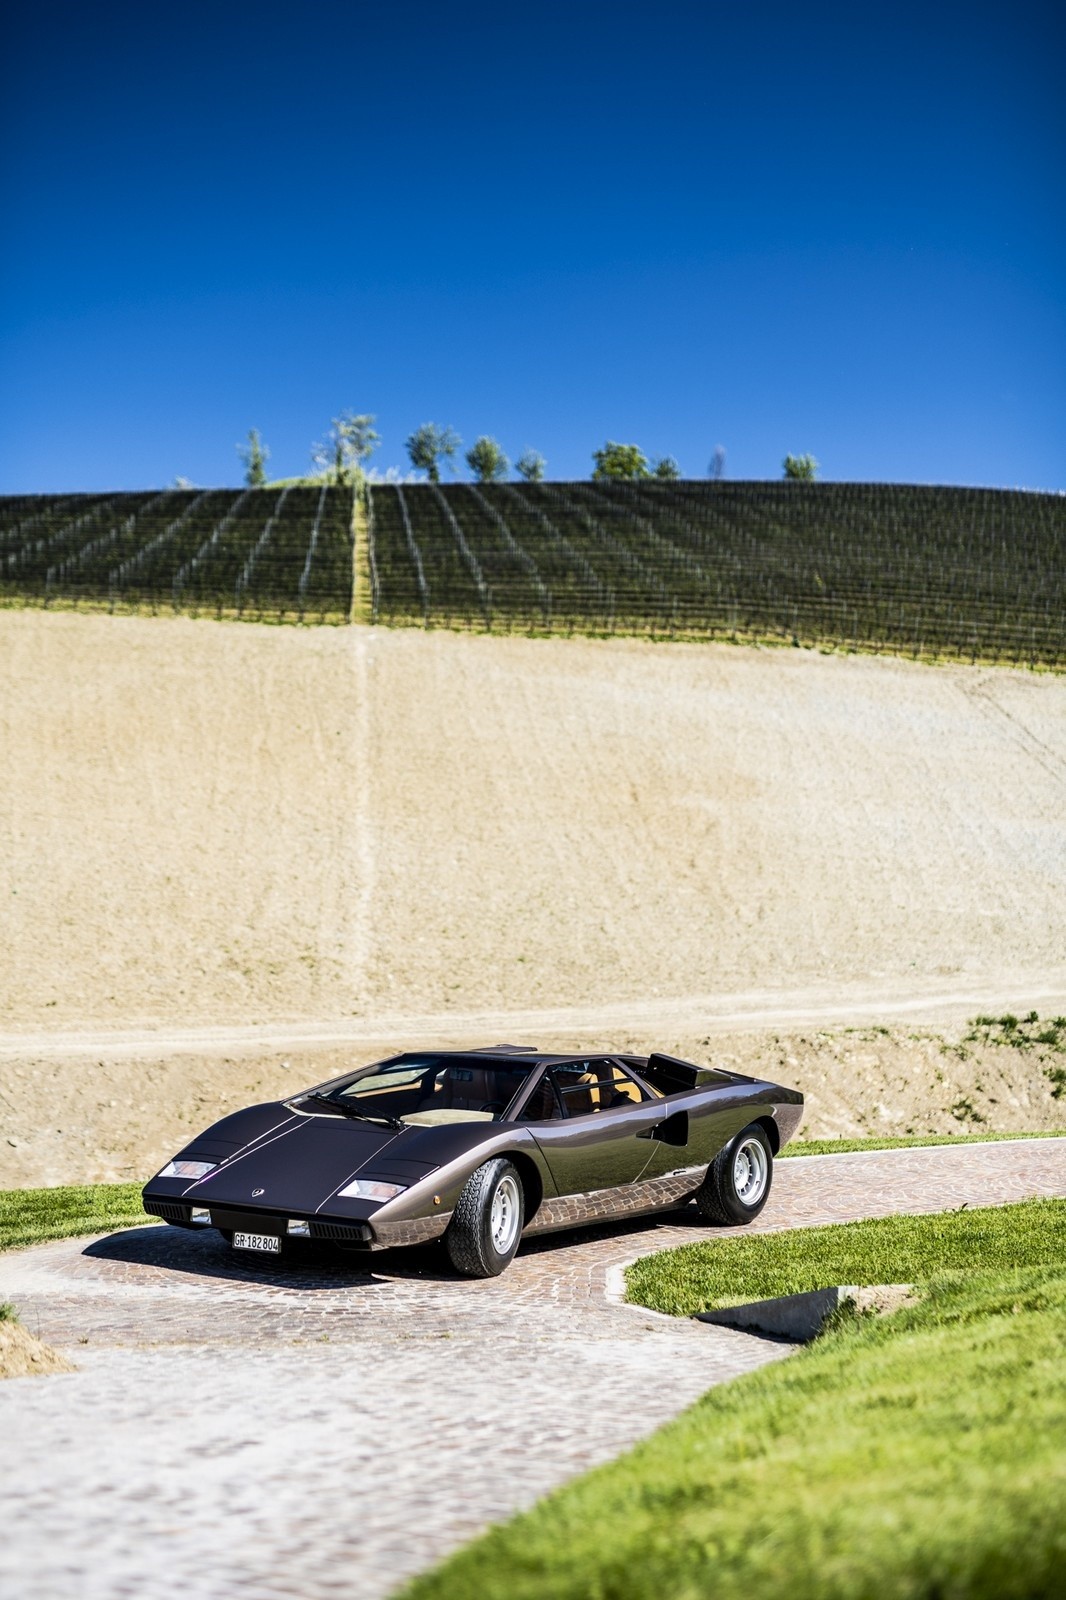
<point>258,1241</point>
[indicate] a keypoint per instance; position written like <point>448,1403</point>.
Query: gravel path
<point>838,1004</point>
<point>239,1430</point>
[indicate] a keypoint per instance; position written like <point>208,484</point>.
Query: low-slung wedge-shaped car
<point>480,1147</point>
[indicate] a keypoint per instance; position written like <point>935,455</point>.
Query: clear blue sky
<point>834,228</point>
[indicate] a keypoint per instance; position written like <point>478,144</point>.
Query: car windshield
<point>426,1089</point>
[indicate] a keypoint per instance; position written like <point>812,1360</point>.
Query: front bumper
<point>357,1235</point>
<point>382,1232</point>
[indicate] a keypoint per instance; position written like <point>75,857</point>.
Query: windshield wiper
<point>359,1116</point>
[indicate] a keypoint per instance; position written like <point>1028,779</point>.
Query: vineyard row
<point>259,552</point>
<point>935,572</point>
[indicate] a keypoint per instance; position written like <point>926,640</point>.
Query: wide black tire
<point>487,1221</point>
<point>738,1180</point>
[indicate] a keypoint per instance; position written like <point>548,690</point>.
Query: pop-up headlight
<point>369,1189</point>
<point>188,1169</point>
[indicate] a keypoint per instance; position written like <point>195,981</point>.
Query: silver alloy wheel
<point>750,1172</point>
<point>506,1210</point>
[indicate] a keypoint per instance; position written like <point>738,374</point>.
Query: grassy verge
<point>919,1455</point>
<point>28,1216</point>
<point>842,1147</point>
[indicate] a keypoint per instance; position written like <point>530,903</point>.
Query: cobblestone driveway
<point>237,1430</point>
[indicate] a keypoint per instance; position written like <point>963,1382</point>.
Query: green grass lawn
<point>918,1455</point>
<point>29,1216</point>
<point>885,1250</point>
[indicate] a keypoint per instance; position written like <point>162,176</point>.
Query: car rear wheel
<point>487,1221</point>
<point>737,1185</point>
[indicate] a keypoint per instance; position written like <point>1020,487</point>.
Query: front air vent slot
<point>341,1232</point>
<point>168,1210</point>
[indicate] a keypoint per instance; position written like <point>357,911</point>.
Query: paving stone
<point>237,1429</point>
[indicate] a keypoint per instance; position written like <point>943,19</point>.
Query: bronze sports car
<point>480,1147</point>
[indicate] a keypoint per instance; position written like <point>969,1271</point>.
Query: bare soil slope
<point>233,825</point>
<point>119,1118</point>
<point>23,1355</point>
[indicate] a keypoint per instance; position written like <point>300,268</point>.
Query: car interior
<point>431,1090</point>
<point>579,1089</point>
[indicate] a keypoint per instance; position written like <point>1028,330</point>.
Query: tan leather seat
<point>462,1089</point>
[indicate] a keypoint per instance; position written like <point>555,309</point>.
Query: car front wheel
<point>737,1185</point>
<point>487,1221</point>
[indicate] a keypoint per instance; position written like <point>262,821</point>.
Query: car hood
<point>298,1163</point>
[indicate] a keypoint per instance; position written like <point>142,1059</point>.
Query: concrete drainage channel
<point>795,1317</point>
<point>802,1317</point>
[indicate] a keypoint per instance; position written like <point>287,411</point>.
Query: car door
<point>588,1122</point>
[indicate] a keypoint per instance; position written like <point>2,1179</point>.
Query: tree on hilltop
<point>666,467</point>
<point>716,467</point>
<point>531,465</point>
<point>620,461</point>
<point>361,438</point>
<point>351,442</point>
<point>255,456</point>
<point>486,460</point>
<point>803,469</point>
<point>431,444</point>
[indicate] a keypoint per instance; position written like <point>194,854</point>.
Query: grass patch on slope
<point>29,1216</point>
<point>918,1455</point>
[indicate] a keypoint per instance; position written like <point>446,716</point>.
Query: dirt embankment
<point>103,1121</point>
<point>23,1355</point>
<point>233,825</point>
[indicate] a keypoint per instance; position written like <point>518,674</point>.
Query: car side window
<point>596,1085</point>
<point>580,1088</point>
<point>543,1104</point>
<point>615,1087</point>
